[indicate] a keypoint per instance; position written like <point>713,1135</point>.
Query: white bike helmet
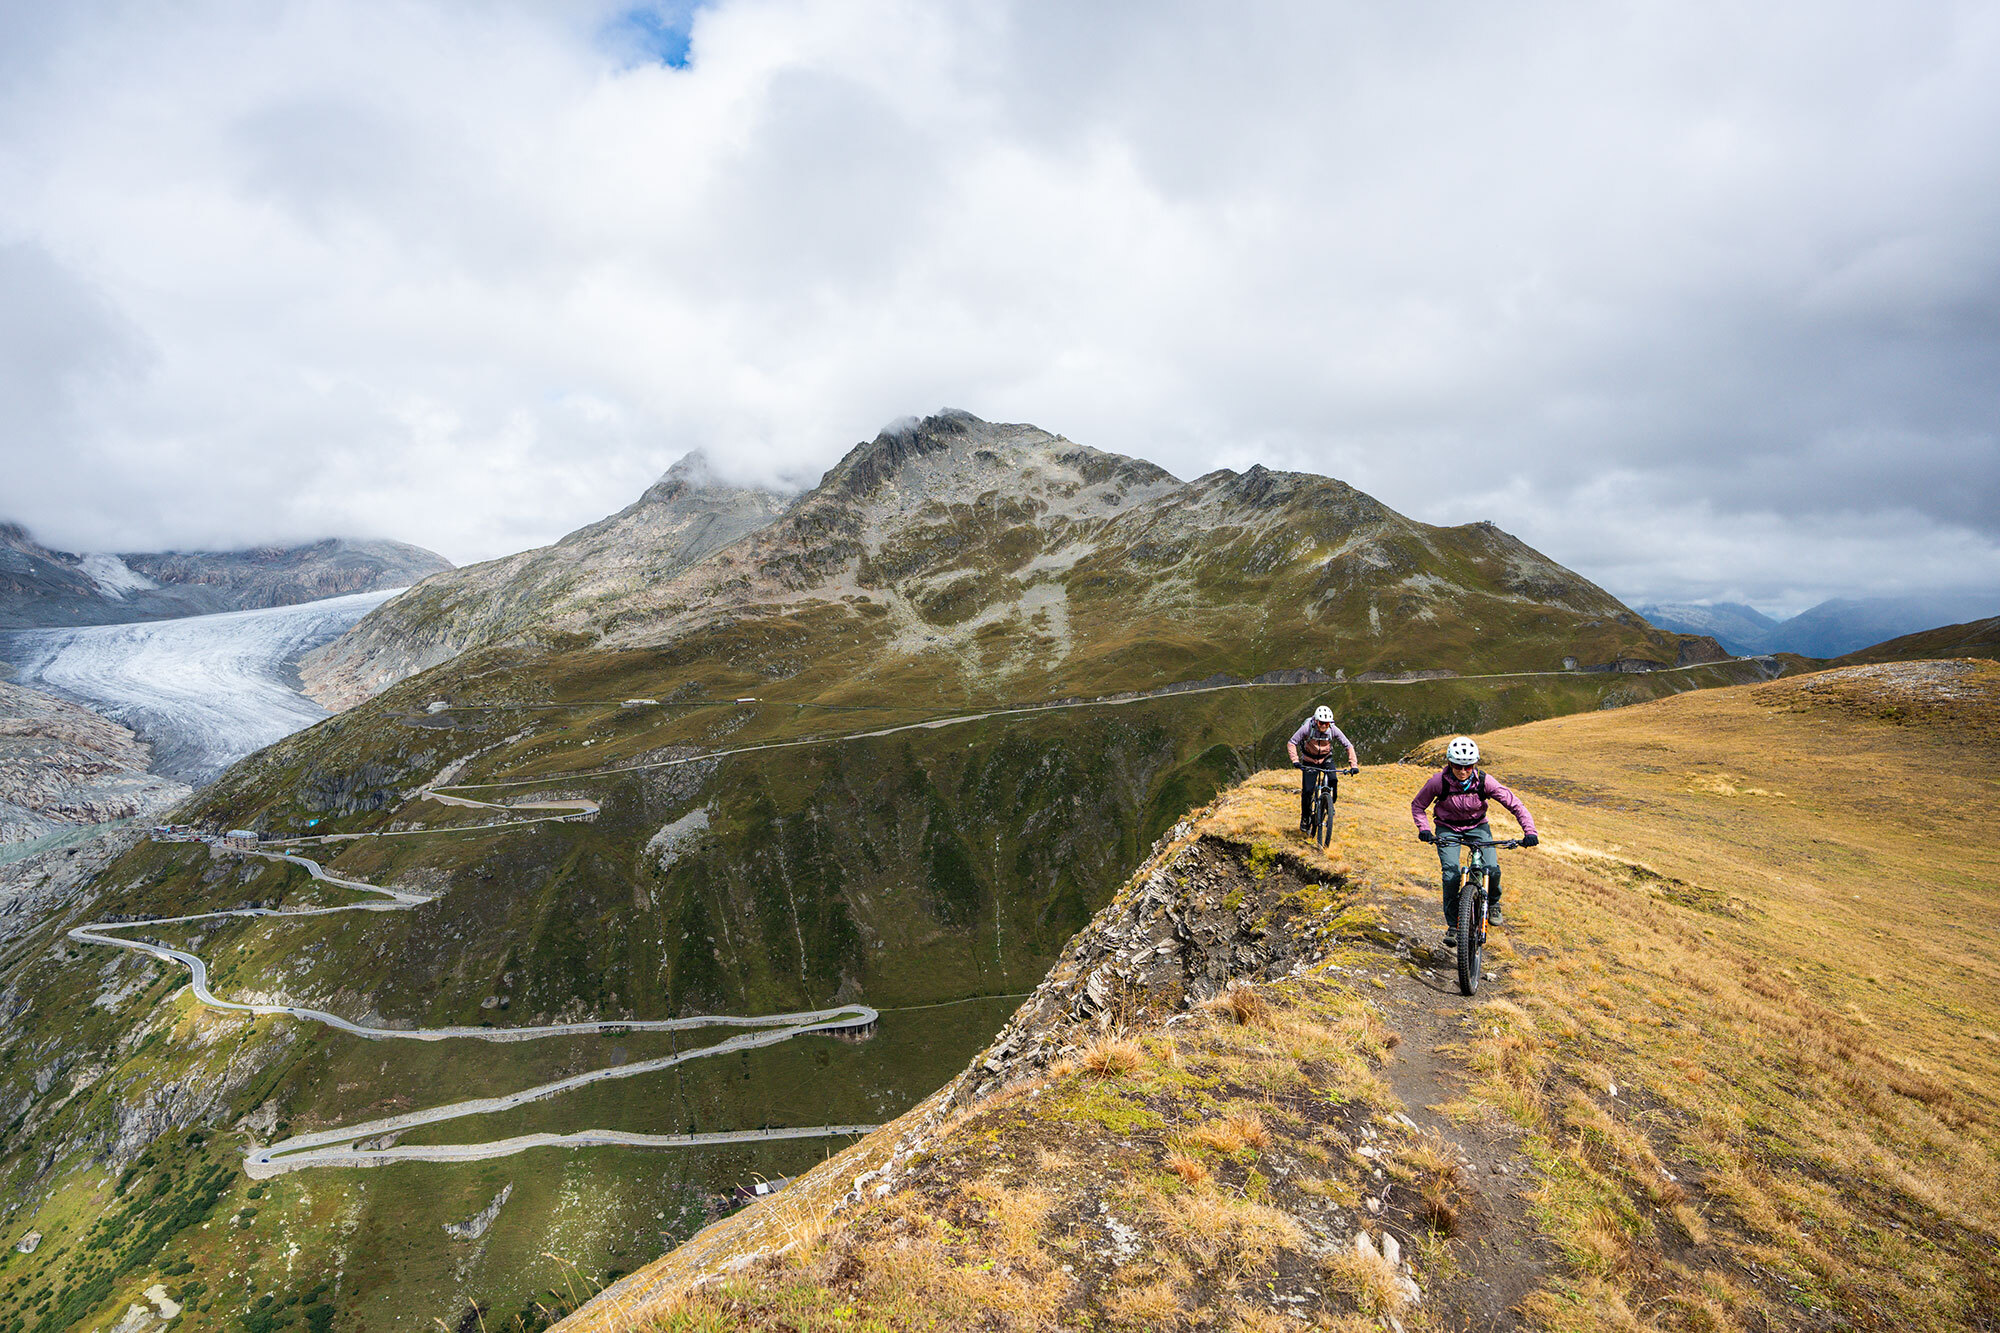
<point>1463,750</point>
<point>1322,714</point>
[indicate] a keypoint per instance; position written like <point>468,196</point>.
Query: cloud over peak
<point>1699,299</point>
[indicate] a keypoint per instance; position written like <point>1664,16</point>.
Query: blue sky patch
<point>654,34</point>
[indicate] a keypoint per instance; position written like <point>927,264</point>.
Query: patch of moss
<point>1104,1104</point>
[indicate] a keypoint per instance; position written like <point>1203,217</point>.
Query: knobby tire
<point>1471,923</point>
<point>1324,819</point>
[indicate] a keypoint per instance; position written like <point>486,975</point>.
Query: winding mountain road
<point>1018,710</point>
<point>340,1146</point>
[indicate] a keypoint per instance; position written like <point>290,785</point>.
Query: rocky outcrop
<point>36,886</point>
<point>41,587</point>
<point>1182,931</point>
<point>64,768</point>
<point>472,1228</point>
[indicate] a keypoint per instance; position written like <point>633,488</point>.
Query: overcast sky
<point>1702,299</point>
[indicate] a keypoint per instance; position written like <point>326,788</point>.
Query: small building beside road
<point>242,839</point>
<point>759,1189</point>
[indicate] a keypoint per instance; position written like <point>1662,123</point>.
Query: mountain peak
<point>693,470</point>
<point>952,437</point>
<point>868,465</point>
<point>695,476</point>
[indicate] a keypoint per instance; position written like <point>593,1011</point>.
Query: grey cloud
<point>1701,299</point>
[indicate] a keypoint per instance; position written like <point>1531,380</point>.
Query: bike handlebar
<point>1324,768</point>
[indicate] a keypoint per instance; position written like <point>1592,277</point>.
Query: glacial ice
<point>203,690</point>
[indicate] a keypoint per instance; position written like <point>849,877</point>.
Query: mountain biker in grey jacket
<point>1459,794</point>
<point>1312,744</point>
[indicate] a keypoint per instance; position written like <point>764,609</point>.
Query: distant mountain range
<point>41,587</point>
<point>1831,629</point>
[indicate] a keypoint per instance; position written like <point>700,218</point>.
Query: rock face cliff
<point>683,517</point>
<point>42,587</point>
<point>992,559</point>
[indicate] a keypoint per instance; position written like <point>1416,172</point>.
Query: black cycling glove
<point>1425,835</point>
<point>1530,840</point>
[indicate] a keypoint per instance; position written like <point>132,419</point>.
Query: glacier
<point>203,690</point>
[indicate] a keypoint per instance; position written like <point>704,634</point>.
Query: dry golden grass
<point>1754,916</point>
<point>1247,1319</point>
<point>1430,1165</point>
<point>1368,1279</point>
<point>1112,1057</point>
<point>1191,1169</point>
<point>1018,1215</point>
<point>1243,1006</point>
<point>1232,1133</point>
<point>1248,1126</point>
<point>1213,1230</point>
<point>1146,1306</point>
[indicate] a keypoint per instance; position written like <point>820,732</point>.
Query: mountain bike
<point>1319,824</point>
<point>1472,911</point>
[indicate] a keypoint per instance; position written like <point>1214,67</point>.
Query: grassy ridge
<point>1743,1049</point>
<point>962,857</point>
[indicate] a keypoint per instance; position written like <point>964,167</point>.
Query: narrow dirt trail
<point>1413,980</point>
<point>1504,1258</point>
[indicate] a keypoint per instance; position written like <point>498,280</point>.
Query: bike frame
<point>1471,926</point>
<point>1322,816</point>
<point>1477,866</point>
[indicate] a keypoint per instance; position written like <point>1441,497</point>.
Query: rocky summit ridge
<point>682,517</point>
<point>1001,559</point>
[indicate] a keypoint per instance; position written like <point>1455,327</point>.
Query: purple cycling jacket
<point>1465,809</point>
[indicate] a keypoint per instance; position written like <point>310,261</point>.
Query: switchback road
<point>337,1147</point>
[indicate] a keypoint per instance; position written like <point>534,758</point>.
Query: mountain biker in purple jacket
<point>1312,744</point>
<point>1459,793</point>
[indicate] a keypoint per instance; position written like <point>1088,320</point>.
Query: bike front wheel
<point>1323,829</point>
<point>1471,937</point>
